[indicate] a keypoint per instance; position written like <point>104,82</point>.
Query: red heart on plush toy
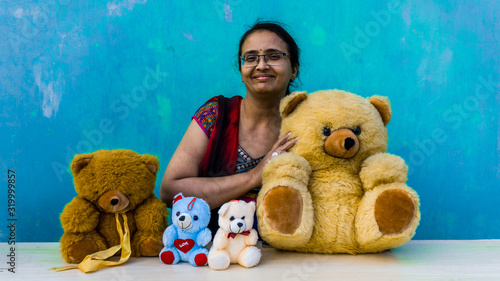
<point>184,245</point>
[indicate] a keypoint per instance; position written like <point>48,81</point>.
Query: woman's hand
<point>282,145</point>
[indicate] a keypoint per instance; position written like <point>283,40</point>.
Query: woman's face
<point>264,78</point>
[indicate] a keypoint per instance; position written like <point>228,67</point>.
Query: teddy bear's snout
<point>237,226</point>
<point>184,221</point>
<point>113,201</point>
<point>342,143</point>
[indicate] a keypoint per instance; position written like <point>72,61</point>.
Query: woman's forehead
<point>263,41</point>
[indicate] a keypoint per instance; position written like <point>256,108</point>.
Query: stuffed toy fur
<point>235,238</point>
<point>107,182</point>
<point>336,190</point>
<point>186,238</point>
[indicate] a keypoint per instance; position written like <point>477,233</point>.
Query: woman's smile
<point>263,77</point>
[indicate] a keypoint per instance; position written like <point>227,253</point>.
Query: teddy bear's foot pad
<point>79,250</point>
<point>394,211</point>
<point>283,209</point>
<point>150,247</point>
<point>167,257</point>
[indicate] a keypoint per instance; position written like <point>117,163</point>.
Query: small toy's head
<point>114,180</point>
<point>190,214</point>
<point>236,216</point>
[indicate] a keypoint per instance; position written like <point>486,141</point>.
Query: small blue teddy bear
<point>185,239</point>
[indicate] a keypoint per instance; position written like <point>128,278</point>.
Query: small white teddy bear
<point>235,238</point>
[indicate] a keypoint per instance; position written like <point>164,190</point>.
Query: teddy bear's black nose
<point>182,218</point>
<point>348,143</point>
<point>114,201</point>
<point>240,224</point>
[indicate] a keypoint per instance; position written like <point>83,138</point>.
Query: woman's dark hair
<point>276,28</point>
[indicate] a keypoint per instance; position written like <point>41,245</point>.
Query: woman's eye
<point>231,218</point>
<point>273,56</point>
<point>250,58</point>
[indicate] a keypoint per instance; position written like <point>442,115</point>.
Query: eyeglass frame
<point>265,59</point>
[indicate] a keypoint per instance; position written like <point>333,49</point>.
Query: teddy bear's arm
<point>204,237</point>
<point>79,216</point>
<point>252,238</point>
<point>284,205</point>
<point>151,215</point>
<point>169,236</point>
<point>288,167</point>
<point>382,168</point>
<point>220,240</point>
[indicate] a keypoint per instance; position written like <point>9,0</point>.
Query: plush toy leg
<point>76,246</point>
<point>146,245</point>
<point>218,259</point>
<point>249,257</point>
<point>387,217</point>
<point>284,205</point>
<point>151,221</point>
<point>199,257</point>
<point>169,256</point>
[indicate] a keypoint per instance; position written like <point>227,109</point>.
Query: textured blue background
<point>77,77</point>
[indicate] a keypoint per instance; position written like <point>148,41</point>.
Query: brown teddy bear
<point>107,182</point>
<point>336,190</point>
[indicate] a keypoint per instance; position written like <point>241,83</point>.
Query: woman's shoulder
<point>206,115</point>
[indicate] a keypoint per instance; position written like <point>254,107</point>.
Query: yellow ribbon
<point>97,260</point>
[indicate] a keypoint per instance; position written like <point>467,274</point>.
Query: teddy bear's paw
<point>283,209</point>
<point>198,257</point>
<point>150,247</point>
<point>169,257</point>
<point>383,168</point>
<point>79,250</point>
<point>218,261</point>
<point>395,211</point>
<point>249,257</point>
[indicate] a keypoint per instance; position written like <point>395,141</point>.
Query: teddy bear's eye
<point>327,131</point>
<point>195,218</point>
<point>243,217</point>
<point>178,213</point>
<point>356,131</point>
<point>231,218</point>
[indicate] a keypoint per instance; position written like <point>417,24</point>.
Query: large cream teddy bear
<point>336,190</point>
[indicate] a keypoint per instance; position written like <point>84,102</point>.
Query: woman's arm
<point>181,174</point>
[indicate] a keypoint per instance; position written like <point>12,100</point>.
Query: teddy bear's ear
<point>151,162</point>
<point>178,197</point>
<point>383,105</point>
<point>290,102</point>
<point>251,205</point>
<point>223,209</point>
<point>79,162</point>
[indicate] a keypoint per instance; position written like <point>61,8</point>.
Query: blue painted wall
<point>77,77</point>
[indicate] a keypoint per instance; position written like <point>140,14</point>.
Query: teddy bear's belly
<point>335,208</point>
<point>235,246</point>
<point>107,227</point>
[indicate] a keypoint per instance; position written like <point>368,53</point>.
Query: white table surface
<point>416,260</point>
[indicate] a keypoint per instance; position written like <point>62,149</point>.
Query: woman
<point>227,144</point>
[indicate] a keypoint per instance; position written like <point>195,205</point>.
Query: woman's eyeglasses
<point>270,59</point>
